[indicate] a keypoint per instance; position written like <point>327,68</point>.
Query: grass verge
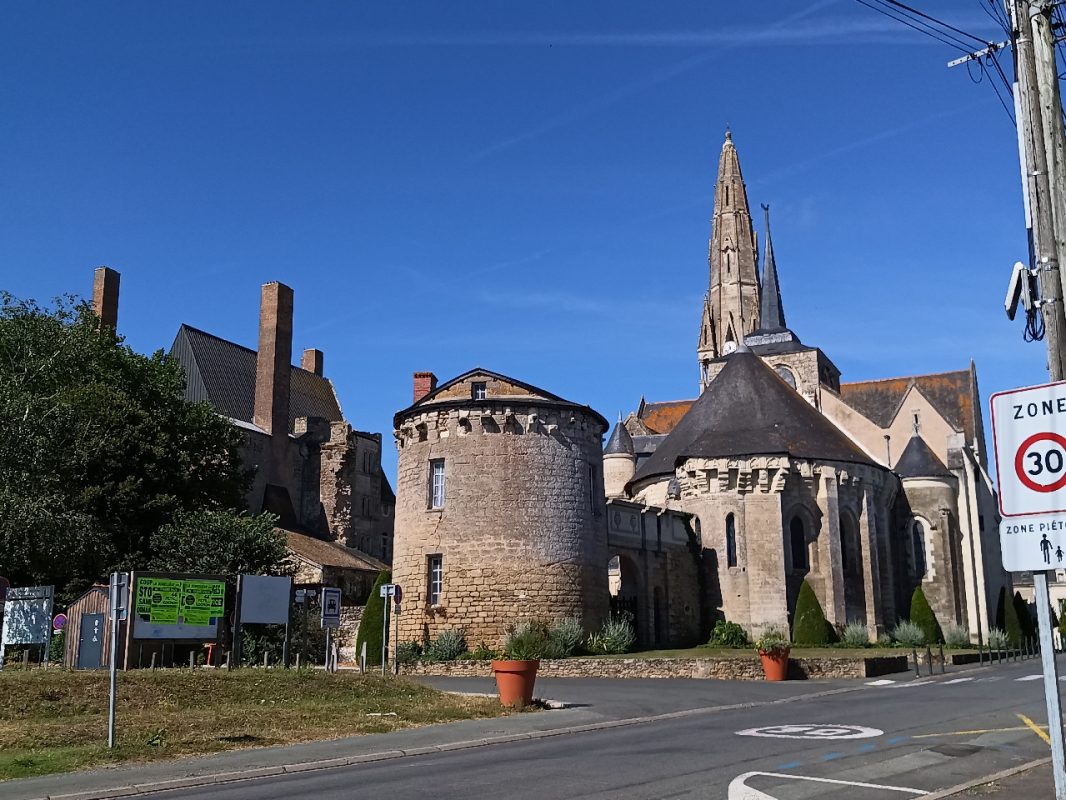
<point>56,720</point>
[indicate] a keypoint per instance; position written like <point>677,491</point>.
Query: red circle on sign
<point>1019,467</point>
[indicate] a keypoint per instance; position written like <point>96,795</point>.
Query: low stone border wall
<point>707,668</point>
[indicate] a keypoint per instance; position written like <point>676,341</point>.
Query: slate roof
<point>620,443</point>
<point>953,394</point>
<point>330,554</point>
<point>222,373</point>
<point>749,410</point>
<point>918,461</point>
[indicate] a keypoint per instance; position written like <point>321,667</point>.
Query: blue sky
<point>525,187</point>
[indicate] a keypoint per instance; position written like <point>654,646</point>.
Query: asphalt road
<point>921,736</point>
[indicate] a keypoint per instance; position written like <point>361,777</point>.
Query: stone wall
<point>704,668</point>
<point>522,530</point>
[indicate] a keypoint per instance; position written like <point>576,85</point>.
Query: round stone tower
<point>500,511</point>
<point>619,461</point>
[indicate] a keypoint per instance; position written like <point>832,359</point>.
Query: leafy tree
<point>371,623</point>
<point>922,615</point>
<point>220,542</point>
<point>99,448</point>
<point>809,626</point>
<point>1025,619</point>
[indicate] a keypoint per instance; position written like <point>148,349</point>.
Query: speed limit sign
<point>1029,435</point>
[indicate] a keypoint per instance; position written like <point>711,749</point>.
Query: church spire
<point>731,310</point>
<point>771,312</point>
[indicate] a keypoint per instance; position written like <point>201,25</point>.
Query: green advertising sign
<point>167,601</point>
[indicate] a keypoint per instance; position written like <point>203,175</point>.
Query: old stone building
<point>500,510</point>
<point>864,490</point>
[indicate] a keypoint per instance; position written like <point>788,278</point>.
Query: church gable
<point>482,384</point>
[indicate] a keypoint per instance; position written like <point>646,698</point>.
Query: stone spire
<point>731,310</point>
<point>771,312</point>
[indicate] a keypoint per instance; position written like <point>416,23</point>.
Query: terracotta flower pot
<point>774,664</point>
<point>514,680</point>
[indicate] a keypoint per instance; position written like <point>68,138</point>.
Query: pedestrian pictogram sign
<point>1029,435</point>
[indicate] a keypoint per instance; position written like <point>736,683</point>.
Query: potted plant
<point>773,647</point>
<point>516,673</point>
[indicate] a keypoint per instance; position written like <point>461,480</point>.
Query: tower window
<point>730,540</point>
<point>478,390</point>
<point>798,544</point>
<point>436,483</point>
<point>435,579</point>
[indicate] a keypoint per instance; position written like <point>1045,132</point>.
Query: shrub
<point>908,633</point>
<point>529,640</point>
<point>567,635</point>
<point>408,652</point>
<point>448,645</point>
<point>1025,619</point>
<point>370,627</point>
<point>922,615</point>
<point>809,625</point>
<point>997,639</point>
<point>1012,625</point>
<point>855,634</point>
<point>480,653</point>
<point>956,635</point>
<point>616,636</point>
<point>728,634</point>
<point>774,639</point>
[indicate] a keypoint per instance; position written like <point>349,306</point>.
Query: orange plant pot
<point>514,681</point>
<point>774,664</point>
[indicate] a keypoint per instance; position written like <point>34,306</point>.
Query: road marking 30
<point>814,731</point>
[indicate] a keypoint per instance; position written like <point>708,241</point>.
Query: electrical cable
<point>942,24</point>
<point>920,27</point>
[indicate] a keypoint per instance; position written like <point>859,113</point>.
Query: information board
<point>28,615</point>
<point>169,607</point>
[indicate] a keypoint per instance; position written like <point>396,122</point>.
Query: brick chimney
<point>274,360</point>
<point>105,296</point>
<point>425,382</point>
<point>312,361</point>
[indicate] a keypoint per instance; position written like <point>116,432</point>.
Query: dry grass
<point>56,720</point>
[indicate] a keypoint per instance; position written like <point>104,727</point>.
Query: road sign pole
<point>117,599</point>
<point>1051,683</point>
<point>396,640</point>
<point>384,633</point>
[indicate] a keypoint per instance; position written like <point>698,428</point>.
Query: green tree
<point>370,627</point>
<point>809,623</point>
<point>220,542</point>
<point>99,448</point>
<point>1025,619</point>
<point>922,615</point>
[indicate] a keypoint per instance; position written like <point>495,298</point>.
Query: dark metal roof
<point>748,410</point>
<point>918,461</point>
<point>222,373</point>
<point>771,312</point>
<point>647,444</point>
<point>620,443</point>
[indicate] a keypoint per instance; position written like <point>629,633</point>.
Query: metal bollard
<point>192,660</point>
<point>917,669</point>
<point>153,661</point>
<point>929,659</point>
<point>943,666</point>
<point>266,660</point>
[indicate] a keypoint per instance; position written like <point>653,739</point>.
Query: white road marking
<point>816,731</point>
<point>739,789</point>
<point>992,679</point>
<point>882,682</point>
<point>1030,678</point>
<point>957,680</point>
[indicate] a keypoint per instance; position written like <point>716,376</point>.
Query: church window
<point>478,390</point>
<point>798,544</point>
<point>730,540</point>
<point>919,560</point>
<point>786,375</point>
<point>436,483</point>
<point>435,579</point>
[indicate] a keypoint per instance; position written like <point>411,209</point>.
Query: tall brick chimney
<point>274,360</point>
<point>105,296</point>
<point>425,382</point>
<point>312,361</point>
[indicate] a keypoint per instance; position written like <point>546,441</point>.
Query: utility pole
<point>1037,108</point>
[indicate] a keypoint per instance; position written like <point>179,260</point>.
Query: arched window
<point>845,565</point>
<point>920,562</point>
<point>798,541</point>
<point>730,540</point>
<point>786,375</point>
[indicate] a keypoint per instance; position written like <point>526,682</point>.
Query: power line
<point>923,15</point>
<point>922,28</point>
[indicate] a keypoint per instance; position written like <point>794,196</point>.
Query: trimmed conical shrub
<point>1001,609</point>
<point>809,626</point>
<point>922,615</point>
<point>1025,619</point>
<point>1012,625</point>
<point>371,623</point>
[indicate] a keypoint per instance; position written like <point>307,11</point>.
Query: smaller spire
<point>620,443</point>
<point>728,133</point>
<point>771,312</point>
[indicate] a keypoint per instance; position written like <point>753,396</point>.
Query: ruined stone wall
<point>522,531</point>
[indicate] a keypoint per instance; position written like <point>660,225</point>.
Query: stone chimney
<point>105,296</point>
<point>274,360</point>
<point>425,382</point>
<point>312,361</point>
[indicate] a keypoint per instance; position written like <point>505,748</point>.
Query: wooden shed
<point>88,631</point>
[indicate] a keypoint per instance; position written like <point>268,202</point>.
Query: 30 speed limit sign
<point>1029,434</point>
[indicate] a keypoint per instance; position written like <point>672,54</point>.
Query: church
<point>865,490</point>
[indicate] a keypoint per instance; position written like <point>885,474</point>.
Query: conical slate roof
<point>620,443</point>
<point>749,410</point>
<point>771,311</point>
<point>918,461</point>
